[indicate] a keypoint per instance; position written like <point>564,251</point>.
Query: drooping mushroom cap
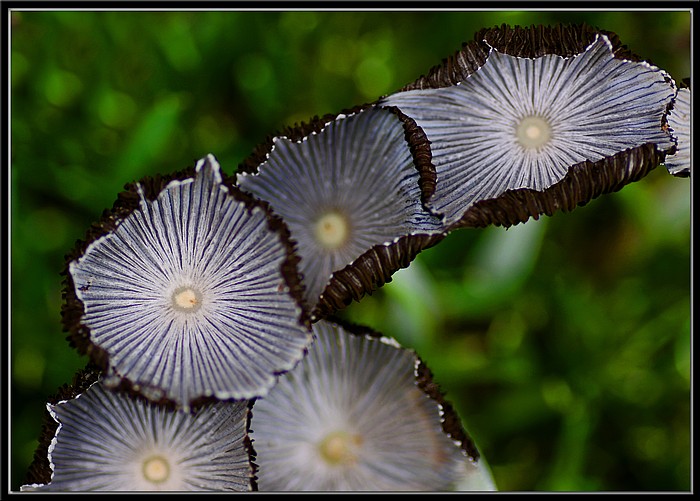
<point>188,290</point>
<point>350,191</point>
<point>360,413</point>
<point>537,125</point>
<point>102,440</point>
<point>678,164</point>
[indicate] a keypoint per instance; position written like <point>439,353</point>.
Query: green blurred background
<point>563,343</point>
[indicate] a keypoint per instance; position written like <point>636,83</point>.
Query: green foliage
<point>563,342</point>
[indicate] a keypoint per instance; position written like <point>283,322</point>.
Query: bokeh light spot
<point>62,88</point>
<point>253,71</point>
<point>28,368</point>
<point>116,109</point>
<point>373,77</point>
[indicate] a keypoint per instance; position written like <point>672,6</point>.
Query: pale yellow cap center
<point>533,132</point>
<point>186,299</point>
<point>156,469</point>
<point>339,448</point>
<point>332,230</point>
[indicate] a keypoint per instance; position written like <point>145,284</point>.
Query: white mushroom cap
<point>189,296</point>
<point>109,441</point>
<point>678,164</point>
<point>524,122</point>
<point>342,190</point>
<point>352,416</point>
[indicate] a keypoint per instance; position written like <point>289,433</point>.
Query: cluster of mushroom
<point>206,303</point>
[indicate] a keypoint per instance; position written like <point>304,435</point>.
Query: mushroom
<point>528,134</point>
<point>678,163</point>
<point>361,413</point>
<point>102,440</point>
<point>349,189</point>
<point>188,290</point>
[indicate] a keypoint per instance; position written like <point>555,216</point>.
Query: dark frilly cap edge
<point>250,448</point>
<point>564,40</point>
<point>583,183</point>
<point>370,271</point>
<point>451,424</point>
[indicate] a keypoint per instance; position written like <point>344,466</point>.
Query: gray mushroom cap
<point>189,296</point>
<point>678,163</point>
<point>355,415</point>
<point>519,123</point>
<point>110,441</point>
<point>345,186</point>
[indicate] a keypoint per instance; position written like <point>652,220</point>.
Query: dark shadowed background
<point>564,343</point>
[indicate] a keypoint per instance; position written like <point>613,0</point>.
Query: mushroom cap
<point>529,123</point>
<point>349,189</point>
<point>190,293</point>
<point>359,413</point>
<point>678,163</point>
<point>102,440</point>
